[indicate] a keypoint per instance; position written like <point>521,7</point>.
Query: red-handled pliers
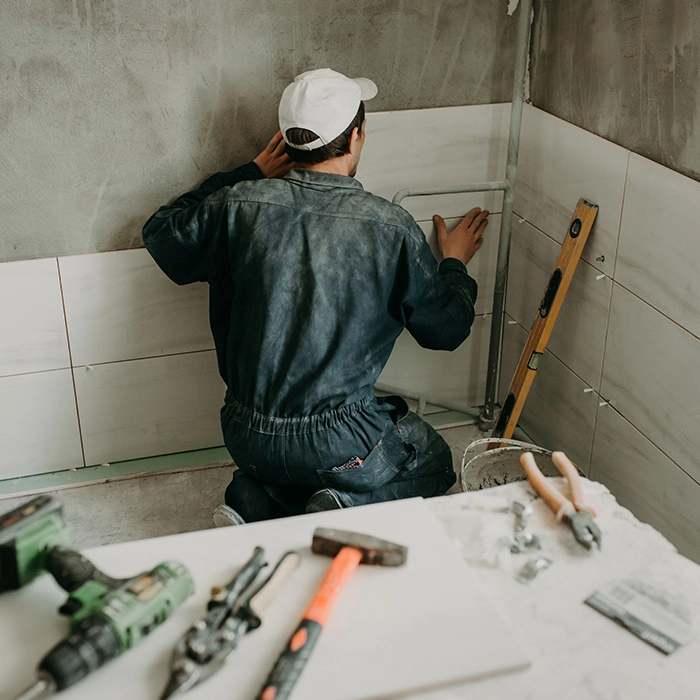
<point>576,512</point>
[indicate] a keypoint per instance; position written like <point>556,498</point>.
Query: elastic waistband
<point>297,425</point>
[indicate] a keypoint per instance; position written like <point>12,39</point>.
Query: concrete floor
<point>165,503</point>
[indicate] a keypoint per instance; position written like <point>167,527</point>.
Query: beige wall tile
<point>659,253</point>
<point>650,376</point>
<point>33,336</point>
<point>643,479</point>
<point>458,377</point>
<point>443,147</point>
<point>120,306</point>
<point>149,407</point>
<point>38,424</point>
<point>560,163</point>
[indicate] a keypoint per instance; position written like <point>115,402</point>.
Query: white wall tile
<point>149,407</point>
<point>38,424</point>
<point>650,376</point>
<point>659,253</point>
<point>442,147</point>
<point>458,376</point>
<point>560,163</point>
<point>482,266</point>
<point>33,335</point>
<point>558,414</point>
<point>645,480</point>
<point>578,338</point>
<point>120,306</point>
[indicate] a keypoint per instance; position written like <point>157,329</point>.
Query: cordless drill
<point>107,615</point>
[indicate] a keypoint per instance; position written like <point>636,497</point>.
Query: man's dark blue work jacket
<point>311,281</point>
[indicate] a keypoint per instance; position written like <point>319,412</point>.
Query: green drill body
<point>107,616</point>
<point>106,622</point>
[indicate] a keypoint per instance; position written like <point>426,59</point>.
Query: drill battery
<point>27,534</point>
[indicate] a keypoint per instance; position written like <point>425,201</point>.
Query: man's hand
<point>465,239</point>
<point>273,161</point>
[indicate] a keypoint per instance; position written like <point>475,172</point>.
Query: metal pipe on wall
<point>475,187</point>
<point>487,418</point>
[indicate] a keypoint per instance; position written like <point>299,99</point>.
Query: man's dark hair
<point>336,148</point>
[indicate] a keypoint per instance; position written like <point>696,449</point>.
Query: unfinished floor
<point>142,506</point>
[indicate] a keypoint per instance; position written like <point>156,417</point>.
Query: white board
<point>393,630</point>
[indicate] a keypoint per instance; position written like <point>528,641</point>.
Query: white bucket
<point>483,468</point>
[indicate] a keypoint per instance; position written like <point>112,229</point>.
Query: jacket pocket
<point>386,461</point>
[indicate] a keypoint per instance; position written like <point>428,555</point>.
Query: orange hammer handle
<point>291,662</point>
<point>344,565</point>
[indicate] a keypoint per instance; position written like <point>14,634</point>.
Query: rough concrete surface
<point>110,109</point>
<point>167,503</point>
<point>627,70</point>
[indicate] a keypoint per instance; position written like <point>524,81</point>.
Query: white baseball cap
<point>323,101</point>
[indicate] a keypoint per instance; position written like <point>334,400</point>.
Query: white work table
<point>513,640</point>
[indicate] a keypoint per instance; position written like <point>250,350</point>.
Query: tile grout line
<point>653,444</point>
<point>70,359</point>
<point>607,324</point>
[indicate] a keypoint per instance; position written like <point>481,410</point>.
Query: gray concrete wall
<point>110,108</point>
<point>627,70</point>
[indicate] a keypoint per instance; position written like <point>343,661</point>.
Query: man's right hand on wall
<point>466,238</point>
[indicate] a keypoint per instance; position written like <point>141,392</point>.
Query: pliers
<point>233,611</point>
<point>578,515</point>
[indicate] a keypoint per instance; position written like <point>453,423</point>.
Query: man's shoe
<point>325,499</point>
<point>225,515</point>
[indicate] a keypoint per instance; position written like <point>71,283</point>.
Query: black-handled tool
<point>233,611</point>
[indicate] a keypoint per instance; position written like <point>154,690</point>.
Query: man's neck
<point>335,166</point>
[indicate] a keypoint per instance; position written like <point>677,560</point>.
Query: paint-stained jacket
<point>311,281</point>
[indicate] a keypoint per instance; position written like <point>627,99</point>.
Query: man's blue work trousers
<point>372,451</point>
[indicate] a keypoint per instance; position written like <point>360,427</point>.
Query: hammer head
<point>374,551</point>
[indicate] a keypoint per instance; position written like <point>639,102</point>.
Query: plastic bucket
<point>483,468</point>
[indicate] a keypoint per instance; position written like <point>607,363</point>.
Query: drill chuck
<point>90,645</point>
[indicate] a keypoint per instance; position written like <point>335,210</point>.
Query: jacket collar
<point>304,176</point>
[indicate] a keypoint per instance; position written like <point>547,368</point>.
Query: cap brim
<point>368,89</point>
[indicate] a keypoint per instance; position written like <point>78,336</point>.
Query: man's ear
<point>353,141</point>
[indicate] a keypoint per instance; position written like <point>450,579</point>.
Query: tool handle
<point>551,496</point>
<point>225,597</point>
<point>71,570</point>
<point>291,662</point>
<point>269,588</point>
<point>286,671</point>
<point>567,468</point>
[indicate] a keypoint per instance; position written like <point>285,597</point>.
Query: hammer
<point>349,550</point>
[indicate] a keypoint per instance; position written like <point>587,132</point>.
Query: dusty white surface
<point>576,652</point>
<point>393,630</point>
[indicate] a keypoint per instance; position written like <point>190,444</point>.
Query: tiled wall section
<point>617,388</point>
<point>141,379</point>
<point>442,148</point>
